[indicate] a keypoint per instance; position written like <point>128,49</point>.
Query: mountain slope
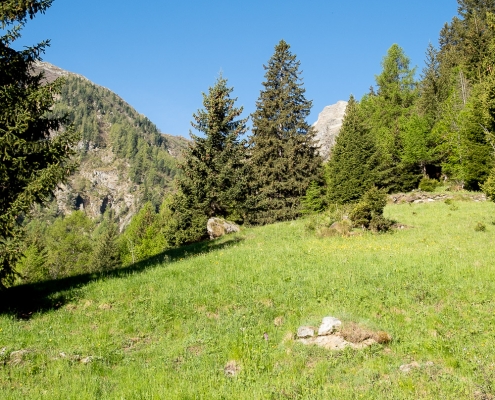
<point>124,159</point>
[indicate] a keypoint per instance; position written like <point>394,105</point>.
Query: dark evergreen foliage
<point>214,173</point>
<point>283,154</point>
<point>106,253</point>
<point>34,149</point>
<point>396,95</point>
<point>368,213</point>
<point>351,170</point>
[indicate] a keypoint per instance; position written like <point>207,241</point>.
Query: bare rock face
<point>328,126</point>
<point>217,227</point>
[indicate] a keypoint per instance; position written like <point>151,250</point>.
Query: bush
<point>368,213</point>
<point>361,215</point>
<point>379,223</point>
<point>489,186</point>
<point>428,185</point>
<point>480,227</point>
<point>313,201</point>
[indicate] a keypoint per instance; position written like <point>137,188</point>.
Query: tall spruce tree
<point>351,170</point>
<point>214,178</point>
<point>429,90</point>
<point>34,152</point>
<point>283,154</point>
<point>394,101</point>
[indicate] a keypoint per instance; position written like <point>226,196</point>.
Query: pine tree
<point>143,237</point>
<point>283,154</point>
<point>214,172</point>
<point>351,170</point>
<point>33,159</point>
<point>106,253</point>
<point>429,86</point>
<point>394,101</point>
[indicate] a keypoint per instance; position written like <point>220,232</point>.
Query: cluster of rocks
<point>17,357</point>
<point>331,335</point>
<point>425,197</point>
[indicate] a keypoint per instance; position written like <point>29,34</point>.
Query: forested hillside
<point>124,160</point>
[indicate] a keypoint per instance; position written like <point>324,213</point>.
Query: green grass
<point>165,330</point>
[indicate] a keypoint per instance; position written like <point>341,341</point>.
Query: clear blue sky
<point>160,55</point>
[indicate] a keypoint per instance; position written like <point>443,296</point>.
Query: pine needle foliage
<point>214,173</point>
<point>34,150</point>
<point>283,154</point>
<point>351,170</point>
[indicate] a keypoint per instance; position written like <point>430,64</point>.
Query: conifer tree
<point>214,172</point>
<point>351,170</point>
<point>106,254</point>
<point>283,154</point>
<point>429,86</point>
<point>34,152</point>
<point>394,101</point>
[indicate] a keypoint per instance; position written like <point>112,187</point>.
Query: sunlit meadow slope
<point>167,330</point>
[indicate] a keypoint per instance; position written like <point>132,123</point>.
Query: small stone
<point>305,332</point>
<point>328,326</point>
<point>408,367</point>
<point>87,360</point>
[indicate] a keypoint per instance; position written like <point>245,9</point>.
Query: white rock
<point>328,127</point>
<point>328,325</point>
<point>305,332</point>
<point>217,227</point>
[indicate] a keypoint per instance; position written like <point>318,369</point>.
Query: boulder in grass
<point>328,326</point>
<point>305,332</point>
<point>217,227</point>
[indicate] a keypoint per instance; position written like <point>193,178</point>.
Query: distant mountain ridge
<point>328,127</point>
<point>124,159</point>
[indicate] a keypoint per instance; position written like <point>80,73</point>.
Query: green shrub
<point>489,186</point>
<point>313,201</point>
<point>361,215</point>
<point>379,223</point>
<point>480,227</point>
<point>428,185</point>
<point>368,213</point>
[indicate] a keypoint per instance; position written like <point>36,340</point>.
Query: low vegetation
<point>199,314</point>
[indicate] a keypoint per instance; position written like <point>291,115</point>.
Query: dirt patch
<point>195,350</point>
<point>232,368</point>
<point>355,333</point>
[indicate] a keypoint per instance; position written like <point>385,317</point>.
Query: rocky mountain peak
<point>328,126</point>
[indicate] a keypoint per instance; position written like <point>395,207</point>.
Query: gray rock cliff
<point>328,126</point>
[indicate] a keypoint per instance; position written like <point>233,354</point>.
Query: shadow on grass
<point>24,300</point>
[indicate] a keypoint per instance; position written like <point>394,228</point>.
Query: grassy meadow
<point>167,328</point>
